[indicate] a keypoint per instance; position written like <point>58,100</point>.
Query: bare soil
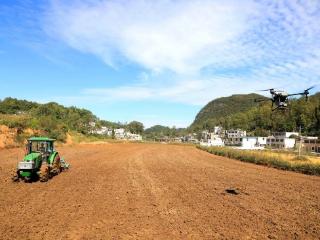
<point>157,191</point>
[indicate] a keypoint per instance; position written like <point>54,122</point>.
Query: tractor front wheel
<point>27,179</point>
<point>15,178</point>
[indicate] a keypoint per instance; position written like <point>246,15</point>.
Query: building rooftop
<point>41,139</point>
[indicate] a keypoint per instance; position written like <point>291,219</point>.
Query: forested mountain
<point>240,111</point>
<point>219,108</point>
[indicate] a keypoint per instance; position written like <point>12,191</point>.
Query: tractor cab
<point>40,145</point>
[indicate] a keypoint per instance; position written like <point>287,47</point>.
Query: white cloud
<point>210,48</point>
<point>192,92</point>
<point>179,35</point>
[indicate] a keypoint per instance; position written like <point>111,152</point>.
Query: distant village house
<point>212,139</point>
<point>280,140</point>
<point>253,142</point>
<point>234,137</point>
<point>311,144</point>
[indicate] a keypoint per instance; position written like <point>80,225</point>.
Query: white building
<point>234,137</point>
<point>119,133</point>
<point>311,144</point>
<point>104,131</point>
<point>211,139</point>
<point>218,130</point>
<point>133,137</point>
<point>282,140</point>
<point>284,134</point>
<point>253,142</point>
<point>215,140</point>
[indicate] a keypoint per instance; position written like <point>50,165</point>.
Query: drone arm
<point>295,94</point>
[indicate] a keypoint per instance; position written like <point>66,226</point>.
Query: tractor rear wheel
<point>44,173</point>
<point>56,165</point>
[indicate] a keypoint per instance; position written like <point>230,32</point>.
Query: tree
<point>135,127</point>
<point>173,132</point>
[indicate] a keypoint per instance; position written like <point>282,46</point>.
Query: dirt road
<point>154,191</point>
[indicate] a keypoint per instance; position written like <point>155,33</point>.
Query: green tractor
<point>41,161</point>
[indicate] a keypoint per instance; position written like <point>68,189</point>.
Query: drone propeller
<point>264,90</point>
<point>310,88</point>
<point>305,93</point>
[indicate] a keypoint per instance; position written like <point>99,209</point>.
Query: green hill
<point>214,111</point>
<point>161,131</point>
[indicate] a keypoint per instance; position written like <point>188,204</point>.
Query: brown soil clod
<point>232,191</point>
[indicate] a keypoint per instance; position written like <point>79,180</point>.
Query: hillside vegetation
<point>51,119</point>
<point>240,111</point>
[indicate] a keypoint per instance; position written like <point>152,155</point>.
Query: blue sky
<point>157,62</point>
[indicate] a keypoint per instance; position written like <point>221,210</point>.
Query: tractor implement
<point>41,161</point>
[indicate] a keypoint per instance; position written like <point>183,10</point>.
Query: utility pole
<point>300,142</point>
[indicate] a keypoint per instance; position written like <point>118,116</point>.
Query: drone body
<point>281,98</point>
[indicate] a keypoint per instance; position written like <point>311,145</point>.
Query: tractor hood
<point>31,156</point>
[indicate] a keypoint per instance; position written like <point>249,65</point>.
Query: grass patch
<point>301,158</point>
<point>284,161</point>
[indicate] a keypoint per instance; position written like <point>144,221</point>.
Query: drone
<point>280,98</point>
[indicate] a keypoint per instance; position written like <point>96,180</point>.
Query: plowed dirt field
<point>157,191</point>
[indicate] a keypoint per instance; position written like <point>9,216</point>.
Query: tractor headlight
<point>26,165</point>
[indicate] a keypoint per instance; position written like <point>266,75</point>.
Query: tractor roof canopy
<point>41,139</point>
